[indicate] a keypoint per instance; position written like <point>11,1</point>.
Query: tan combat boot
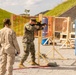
<point>34,63</point>
<point>21,65</point>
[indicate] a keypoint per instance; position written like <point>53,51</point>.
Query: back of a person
<point>6,39</point>
<point>4,33</point>
<point>8,44</point>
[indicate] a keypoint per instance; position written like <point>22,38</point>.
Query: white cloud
<point>29,3</point>
<point>5,3</point>
<point>25,3</point>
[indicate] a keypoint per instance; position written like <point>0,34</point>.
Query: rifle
<point>39,24</point>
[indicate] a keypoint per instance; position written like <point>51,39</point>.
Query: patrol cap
<point>33,19</point>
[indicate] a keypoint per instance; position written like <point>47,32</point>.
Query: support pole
<point>39,42</point>
<point>12,21</point>
<point>39,39</point>
<point>75,37</point>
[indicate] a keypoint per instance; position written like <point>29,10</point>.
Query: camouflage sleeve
<point>38,27</point>
<point>15,43</point>
<point>29,27</point>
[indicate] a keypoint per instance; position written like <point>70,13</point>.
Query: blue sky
<point>35,6</point>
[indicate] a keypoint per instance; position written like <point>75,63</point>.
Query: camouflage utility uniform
<point>8,44</point>
<point>28,42</point>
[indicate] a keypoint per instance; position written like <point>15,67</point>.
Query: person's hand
<point>43,27</point>
<point>17,53</point>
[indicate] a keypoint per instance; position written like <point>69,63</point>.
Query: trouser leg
<point>10,62</point>
<point>3,64</point>
<point>32,51</point>
<point>26,52</point>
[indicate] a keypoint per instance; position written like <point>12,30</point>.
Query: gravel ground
<point>66,67</point>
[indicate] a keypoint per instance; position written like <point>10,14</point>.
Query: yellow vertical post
<point>11,21</point>
<point>53,36</point>
<point>39,39</point>
<point>68,21</point>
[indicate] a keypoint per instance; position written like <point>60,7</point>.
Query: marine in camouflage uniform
<point>8,44</point>
<point>28,42</point>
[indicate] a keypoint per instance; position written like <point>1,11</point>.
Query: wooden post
<point>39,39</point>
<point>68,19</point>
<point>75,37</point>
<point>39,42</point>
<point>12,21</point>
<point>53,35</point>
